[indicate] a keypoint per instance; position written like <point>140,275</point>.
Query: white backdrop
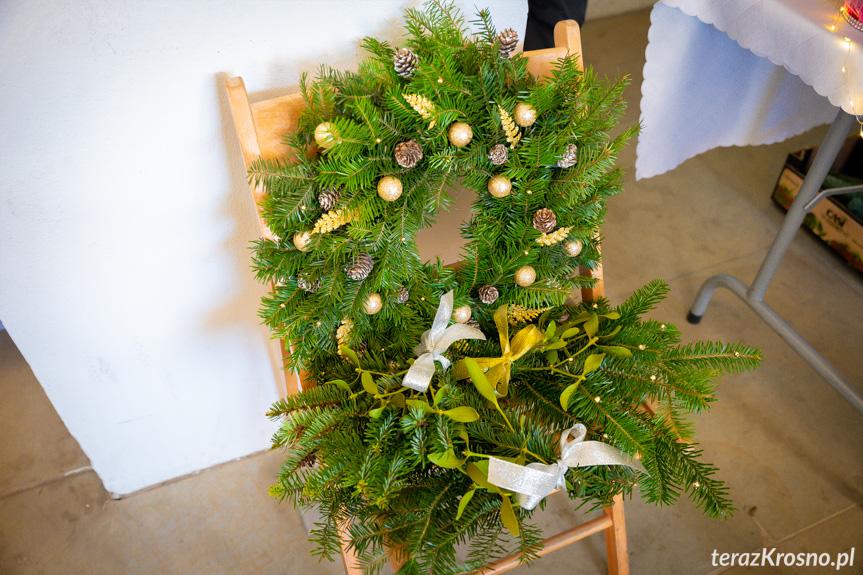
<point>125,220</point>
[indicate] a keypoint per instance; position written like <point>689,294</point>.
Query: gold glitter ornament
<point>525,276</point>
<point>390,188</point>
<point>301,240</point>
<point>325,135</point>
<point>460,134</point>
<point>373,304</point>
<point>461,314</point>
<point>524,114</point>
<point>572,248</point>
<point>499,186</point>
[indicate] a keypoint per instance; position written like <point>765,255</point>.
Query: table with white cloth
<point>749,72</point>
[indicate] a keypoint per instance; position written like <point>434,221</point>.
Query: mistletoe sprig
<point>388,455</point>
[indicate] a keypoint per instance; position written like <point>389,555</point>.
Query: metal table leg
<point>754,295</point>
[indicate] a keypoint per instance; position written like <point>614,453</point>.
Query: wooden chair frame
<point>260,127</point>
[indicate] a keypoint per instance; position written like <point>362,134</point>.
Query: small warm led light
<point>642,347</point>
<point>529,192</point>
<point>319,324</point>
<point>440,80</point>
<point>378,140</point>
<point>848,40</point>
<point>526,252</point>
<point>843,69</point>
<point>303,208</point>
<point>832,28</point>
<point>597,399</point>
<point>696,485</point>
<point>652,378</point>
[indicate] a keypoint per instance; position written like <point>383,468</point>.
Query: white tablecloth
<point>742,72</point>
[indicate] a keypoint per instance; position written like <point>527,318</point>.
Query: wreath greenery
<point>376,153</point>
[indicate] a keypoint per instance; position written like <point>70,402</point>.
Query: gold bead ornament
<point>572,248</point>
<point>373,304</point>
<point>524,115</point>
<point>499,186</point>
<point>460,134</point>
<point>301,240</point>
<point>461,314</point>
<point>390,188</point>
<point>325,135</point>
<point>525,276</point>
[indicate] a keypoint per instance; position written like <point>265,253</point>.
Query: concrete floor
<point>789,448</point>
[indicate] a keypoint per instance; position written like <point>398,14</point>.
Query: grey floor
<point>789,448</point>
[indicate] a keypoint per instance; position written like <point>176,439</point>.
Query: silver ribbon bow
<point>434,343</point>
<point>535,481</point>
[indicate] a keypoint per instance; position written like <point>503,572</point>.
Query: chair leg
<point>349,558</point>
<point>615,539</point>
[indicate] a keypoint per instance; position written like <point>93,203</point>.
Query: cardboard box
<point>831,219</point>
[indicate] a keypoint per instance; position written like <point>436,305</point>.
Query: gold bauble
<point>373,304</point>
<point>301,240</point>
<point>525,276</point>
<point>460,134</point>
<point>524,115</point>
<point>499,186</point>
<point>572,248</point>
<point>390,188</point>
<point>325,135</point>
<point>461,314</point>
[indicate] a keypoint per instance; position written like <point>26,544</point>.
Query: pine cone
<point>361,268</point>
<point>473,323</point>
<point>488,294</point>
<point>569,158</point>
<point>402,295</point>
<point>507,41</point>
<point>498,154</point>
<point>328,198</point>
<point>304,283</point>
<point>404,62</point>
<point>408,154</point>
<point>544,220</point>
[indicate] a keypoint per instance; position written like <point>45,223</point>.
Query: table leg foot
<point>693,319</point>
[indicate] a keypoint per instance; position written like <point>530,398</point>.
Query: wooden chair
<point>260,127</point>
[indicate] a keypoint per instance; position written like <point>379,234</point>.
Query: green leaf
<point>465,499</point>
<point>593,362</point>
<point>439,394</point>
<point>419,404</point>
<point>446,459</point>
<point>463,414</point>
<point>507,516</point>
<point>551,357</point>
<point>340,383</point>
<point>377,412</point>
<point>591,325</point>
<point>478,472</point>
<point>611,315</point>
<point>369,383</point>
<point>567,393</point>
<point>480,381</point>
<point>351,355</point>
<point>570,332</point>
<point>615,351</point>
<point>557,345</point>
<point>398,400</point>
<point>549,331</point>
<point>612,333</point>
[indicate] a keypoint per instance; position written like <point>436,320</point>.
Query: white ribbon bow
<point>434,343</point>
<point>535,481</point>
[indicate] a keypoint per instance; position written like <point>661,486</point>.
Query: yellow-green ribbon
<point>498,369</point>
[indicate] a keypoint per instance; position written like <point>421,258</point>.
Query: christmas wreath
<point>421,435</point>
